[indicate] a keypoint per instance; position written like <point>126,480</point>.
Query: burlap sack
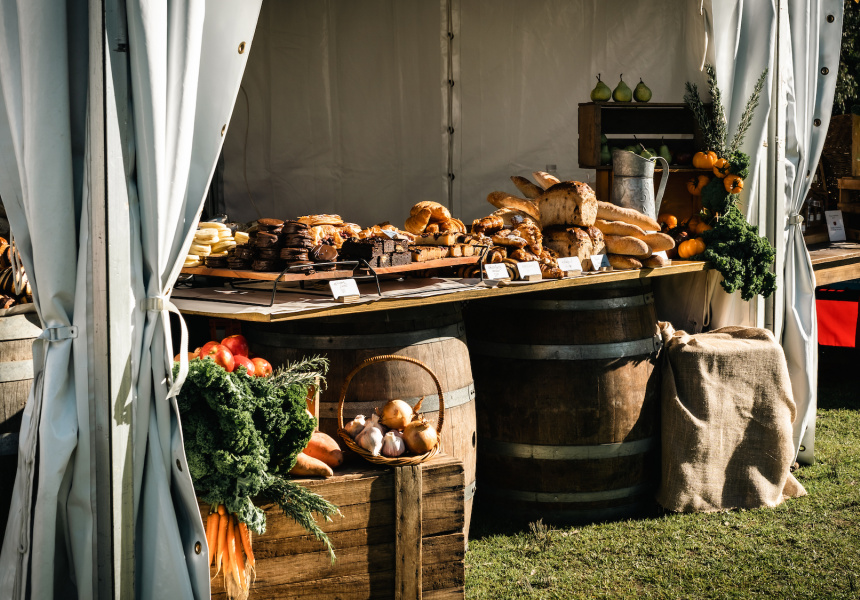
<point>726,412</point>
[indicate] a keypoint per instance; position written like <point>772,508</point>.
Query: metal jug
<point>633,182</point>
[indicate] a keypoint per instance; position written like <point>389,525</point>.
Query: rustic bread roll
<point>545,180</point>
<point>437,211</point>
<point>597,240</point>
<point>658,241</point>
<point>627,245</point>
<point>418,222</point>
<point>569,241</point>
<point>611,212</point>
<point>503,200</point>
<point>619,228</point>
<point>528,189</point>
<point>654,261</point>
<point>568,203</point>
<point>624,263</point>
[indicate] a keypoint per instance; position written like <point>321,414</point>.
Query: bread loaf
<point>545,180</point>
<point>568,203</point>
<point>624,263</point>
<point>619,228</point>
<point>654,261</point>
<point>528,189</point>
<point>598,242</point>
<point>658,241</point>
<point>569,241</point>
<point>627,245</point>
<point>611,212</point>
<point>503,200</point>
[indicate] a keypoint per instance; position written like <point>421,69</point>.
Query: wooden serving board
<point>267,275</point>
<point>429,264</point>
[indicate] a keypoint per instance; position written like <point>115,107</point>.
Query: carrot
<point>308,465</point>
<point>246,544</point>
<point>222,537</point>
<point>323,447</point>
<point>239,559</point>
<point>231,550</point>
<point>212,534</point>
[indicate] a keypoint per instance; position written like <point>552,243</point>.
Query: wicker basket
<point>398,461</point>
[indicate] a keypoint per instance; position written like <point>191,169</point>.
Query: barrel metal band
<point>580,305</point>
<point>550,497</point>
<point>17,370</point>
<point>358,342</point>
<point>469,491</point>
<point>18,327</point>
<point>564,352</point>
<point>543,452</point>
<point>8,444</point>
<point>453,398</point>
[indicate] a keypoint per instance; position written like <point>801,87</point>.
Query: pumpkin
<point>671,221</point>
<point>700,245</point>
<point>721,167</point>
<point>686,249</point>
<point>696,184</point>
<point>733,184</point>
<point>702,227</point>
<point>704,160</point>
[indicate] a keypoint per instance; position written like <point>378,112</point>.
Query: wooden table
<point>836,261</point>
<point>677,267</point>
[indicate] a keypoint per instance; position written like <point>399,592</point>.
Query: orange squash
<point>721,167</point>
<point>700,245</point>
<point>702,227</point>
<point>686,249</point>
<point>671,221</point>
<point>696,184</point>
<point>704,160</point>
<point>733,184</point>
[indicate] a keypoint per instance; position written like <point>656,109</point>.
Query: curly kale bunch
<point>736,250</point>
<point>243,433</point>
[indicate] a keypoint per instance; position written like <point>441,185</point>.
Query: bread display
<point>568,203</point>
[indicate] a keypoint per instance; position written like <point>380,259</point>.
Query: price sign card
<point>835,225</point>
<point>391,234</point>
<point>600,262</point>
<point>571,266</point>
<point>529,271</point>
<point>344,290</point>
<point>496,271</point>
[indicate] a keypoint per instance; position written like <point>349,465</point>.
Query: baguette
<point>626,245</point>
<point>503,200</point>
<point>611,212</point>
<point>619,228</point>
<point>624,263</point>
<point>658,241</point>
<point>654,261</point>
<point>528,189</point>
<point>545,180</point>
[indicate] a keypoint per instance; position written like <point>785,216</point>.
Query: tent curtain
<point>814,45</point>
<point>186,60</point>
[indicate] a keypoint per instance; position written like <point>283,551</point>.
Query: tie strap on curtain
<point>162,304</point>
<point>795,219</point>
<point>59,333</point>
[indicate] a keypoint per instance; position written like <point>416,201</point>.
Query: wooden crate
<point>849,204</point>
<point>385,511</point>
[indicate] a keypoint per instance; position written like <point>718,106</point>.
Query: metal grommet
<point>817,122</point>
<point>803,449</point>
<point>198,548</point>
<point>223,129</point>
<point>241,47</point>
<point>830,18</point>
<point>451,176</point>
<point>451,130</point>
<point>474,439</point>
<point>178,464</point>
<point>450,35</point>
<point>451,82</point>
<point>824,70</point>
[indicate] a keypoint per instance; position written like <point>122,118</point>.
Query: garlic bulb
<point>354,427</point>
<point>370,437</point>
<point>392,444</point>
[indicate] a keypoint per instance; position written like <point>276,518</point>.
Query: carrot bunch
<point>229,543</point>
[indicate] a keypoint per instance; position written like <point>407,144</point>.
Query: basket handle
<point>386,358</point>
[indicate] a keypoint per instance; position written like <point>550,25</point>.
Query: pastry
<point>507,238</point>
<point>417,222</point>
<point>269,224</point>
<point>504,200</point>
<point>206,236</point>
<point>261,264</point>
<point>488,225</point>
<point>316,220</point>
<point>438,212</point>
<point>323,253</point>
<point>243,252</point>
<point>216,262</point>
<point>266,240</point>
<point>237,264</point>
<point>294,254</point>
<point>268,253</point>
<point>293,227</point>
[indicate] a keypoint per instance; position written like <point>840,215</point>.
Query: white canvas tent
<point>112,116</point>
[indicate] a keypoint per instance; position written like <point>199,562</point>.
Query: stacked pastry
<point>210,246</point>
<point>329,229</point>
<point>437,234</point>
<point>14,286</point>
<point>297,243</point>
<point>266,243</point>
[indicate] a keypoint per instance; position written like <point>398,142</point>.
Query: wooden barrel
<point>434,334</point>
<point>568,401</point>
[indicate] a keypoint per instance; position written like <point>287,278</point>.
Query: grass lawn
<point>806,548</point>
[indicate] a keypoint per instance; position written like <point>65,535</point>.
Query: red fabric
<point>837,318</point>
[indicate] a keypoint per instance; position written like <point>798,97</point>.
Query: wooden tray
<point>429,264</point>
<point>267,275</point>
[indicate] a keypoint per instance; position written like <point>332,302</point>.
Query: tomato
<point>196,352</point>
<point>245,362</point>
<point>206,348</point>
<point>222,356</point>
<point>191,356</point>
<point>262,367</point>
<point>237,344</point>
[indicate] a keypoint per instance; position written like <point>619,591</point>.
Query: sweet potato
<point>308,465</point>
<point>323,447</point>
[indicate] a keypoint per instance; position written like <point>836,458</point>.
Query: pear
<point>601,92</point>
<point>604,139</point>
<point>605,154</point>
<point>646,152</point>
<point>641,93</point>
<point>622,93</point>
<point>633,149</point>
<point>663,151</point>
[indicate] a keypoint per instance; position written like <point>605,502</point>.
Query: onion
<point>396,414</point>
<point>420,436</point>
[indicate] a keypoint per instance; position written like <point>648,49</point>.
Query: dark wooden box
<point>377,556</point>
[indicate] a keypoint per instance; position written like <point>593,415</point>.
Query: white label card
<point>835,225</point>
<point>343,287</point>
<point>569,263</point>
<point>531,267</point>
<point>496,271</point>
<point>662,254</point>
<point>389,233</point>
<point>599,261</point>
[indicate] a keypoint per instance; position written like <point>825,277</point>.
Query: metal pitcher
<point>633,182</point>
